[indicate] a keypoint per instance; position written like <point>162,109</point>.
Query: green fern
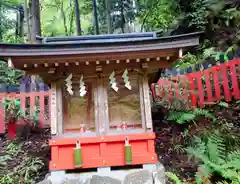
<point>223,104</point>
<point>186,116</point>
<point>204,113</point>
<point>214,158</point>
<point>174,178</point>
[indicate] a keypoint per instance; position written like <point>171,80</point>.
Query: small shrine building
<point>100,98</point>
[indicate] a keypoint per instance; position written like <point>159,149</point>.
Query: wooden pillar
<point>142,107</point>
<point>146,98</point>
<point>100,99</point>
<point>53,108</point>
<point>59,109</point>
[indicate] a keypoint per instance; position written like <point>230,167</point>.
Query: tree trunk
<point>71,31</point>
<point>64,18</point>
<point>108,13</point>
<point>122,16</point>
<point>17,25</point>
<point>78,20</point>
<point>1,31</point>
<point>26,15</point>
<point>95,17</point>
<point>35,20</point>
<point>21,21</point>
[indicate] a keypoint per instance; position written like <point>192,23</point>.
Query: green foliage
<point>26,172</point>
<point>9,179</point>
<point>215,158</point>
<point>9,75</point>
<point>8,12</point>
<point>158,14</point>
<point>29,167</point>
<point>13,110</point>
<point>187,60</point>
<point>58,17</point>
<point>186,116</point>
<point>13,149</point>
<point>173,177</point>
<point>4,159</point>
<point>198,15</point>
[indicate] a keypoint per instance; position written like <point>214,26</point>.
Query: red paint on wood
<point>41,109</point>
<point>176,90</point>
<point>11,130</point>
<point>2,119</point>
<point>161,91</point>
<point>23,102</point>
<point>219,77</point>
<point>154,96</point>
<point>235,86</point>
<point>191,79</point>
<point>169,87</point>
<point>216,83</point>
<point>184,83</point>
<point>227,94</point>
<point>208,86</point>
<point>102,151</point>
<point>22,96</point>
<point>200,89</point>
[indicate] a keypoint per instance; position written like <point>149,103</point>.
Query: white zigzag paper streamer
<point>82,87</point>
<point>69,84</point>
<point>126,80</point>
<point>113,81</point>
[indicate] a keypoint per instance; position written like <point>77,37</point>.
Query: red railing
<point>29,101</point>
<point>200,88</point>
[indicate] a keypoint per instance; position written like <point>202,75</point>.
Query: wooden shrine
<point>100,98</point>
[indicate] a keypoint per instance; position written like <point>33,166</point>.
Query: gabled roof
<point>100,44</point>
<point>109,38</point>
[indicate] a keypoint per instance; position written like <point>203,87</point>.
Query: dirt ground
<point>36,146</point>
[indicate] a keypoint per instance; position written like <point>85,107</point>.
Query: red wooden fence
<point>29,101</point>
<point>199,88</point>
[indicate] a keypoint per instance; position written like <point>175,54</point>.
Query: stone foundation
<point>149,174</point>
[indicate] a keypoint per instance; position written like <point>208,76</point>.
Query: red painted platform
<point>102,151</point>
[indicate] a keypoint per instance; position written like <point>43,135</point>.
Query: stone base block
<point>149,174</point>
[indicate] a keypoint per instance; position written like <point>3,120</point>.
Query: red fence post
<point>234,78</point>
<point>2,114</point>
<point>216,82</point>
<point>213,78</point>
<point>209,97</point>
<point>224,74</point>
<point>193,96</point>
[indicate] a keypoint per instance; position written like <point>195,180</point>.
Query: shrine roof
<point>99,44</point>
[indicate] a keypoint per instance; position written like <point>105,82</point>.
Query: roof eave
<point>174,42</point>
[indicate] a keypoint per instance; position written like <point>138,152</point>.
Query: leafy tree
<point>11,21</point>
<point>158,14</point>
<point>9,75</point>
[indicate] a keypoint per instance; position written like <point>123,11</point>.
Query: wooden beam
<point>91,69</point>
<point>92,57</point>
